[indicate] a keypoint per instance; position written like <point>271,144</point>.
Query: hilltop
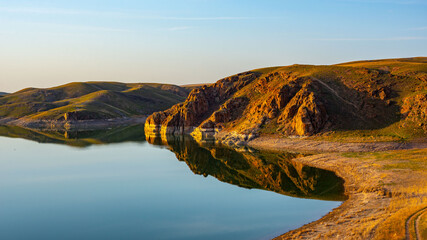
<point>379,100</point>
<point>89,101</point>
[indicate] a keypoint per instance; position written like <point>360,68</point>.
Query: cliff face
<point>301,100</point>
<point>200,104</point>
<point>294,105</point>
<point>414,109</point>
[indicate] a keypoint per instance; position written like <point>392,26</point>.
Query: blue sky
<point>47,43</point>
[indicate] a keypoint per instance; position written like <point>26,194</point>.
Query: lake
<point>120,184</point>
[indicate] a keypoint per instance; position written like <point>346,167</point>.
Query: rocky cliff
<point>200,104</point>
<point>303,100</point>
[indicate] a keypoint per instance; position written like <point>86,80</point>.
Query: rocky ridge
<point>300,101</point>
<point>201,103</point>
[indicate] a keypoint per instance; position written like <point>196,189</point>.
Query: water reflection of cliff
<point>85,138</point>
<point>271,171</point>
<point>249,168</point>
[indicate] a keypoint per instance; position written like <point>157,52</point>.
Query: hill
<point>2,94</point>
<point>193,86</point>
<point>365,100</point>
<point>90,100</point>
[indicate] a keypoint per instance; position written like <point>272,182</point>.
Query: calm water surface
<point>115,185</point>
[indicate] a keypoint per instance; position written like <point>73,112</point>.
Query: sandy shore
<point>381,197</point>
<point>298,144</point>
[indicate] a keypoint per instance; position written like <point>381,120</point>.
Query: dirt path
<point>417,224</point>
<point>335,93</point>
<point>414,220</point>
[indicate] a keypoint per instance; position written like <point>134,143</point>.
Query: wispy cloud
<point>197,18</point>
<point>56,11</point>
<point>418,28</point>
<point>371,39</point>
<point>401,2</point>
<point>61,11</point>
<point>101,29</point>
<point>42,27</point>
<point>182,28</point>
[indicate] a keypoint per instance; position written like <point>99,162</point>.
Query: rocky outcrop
<point>414,110</point>
<point>296,100</point>
<point>294,106</point>
<point>200,104</point>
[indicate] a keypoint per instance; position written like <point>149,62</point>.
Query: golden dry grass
<point>384,189</point>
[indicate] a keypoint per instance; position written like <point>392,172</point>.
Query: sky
<point>47,43</point>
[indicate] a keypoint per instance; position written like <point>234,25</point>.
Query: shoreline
<point>382,188</point>
<point>375,194</point>
<point>298,144</point>
<point>73,125</point>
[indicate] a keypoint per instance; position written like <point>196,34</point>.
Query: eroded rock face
<point>227,112</point>
<point>200,104</point>
<point>414,109</point>
<point>294,106</point>
<point>305,114</point>
<point>293,101</point>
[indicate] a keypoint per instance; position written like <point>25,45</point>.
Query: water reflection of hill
<point>249,168</point>
<point>78,138</point>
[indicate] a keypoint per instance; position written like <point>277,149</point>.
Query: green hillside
<point>91,100</point>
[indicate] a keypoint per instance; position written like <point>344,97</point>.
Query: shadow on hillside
<point>364,107</point>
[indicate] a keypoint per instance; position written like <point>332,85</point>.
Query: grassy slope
<point>92,100</point>
<point>405,77</point>
<point>404,173</point>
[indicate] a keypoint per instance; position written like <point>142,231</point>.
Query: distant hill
<point>379,99</point>
<point>90,100</point>
<point>2,94</point>
<point>193,86</point>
